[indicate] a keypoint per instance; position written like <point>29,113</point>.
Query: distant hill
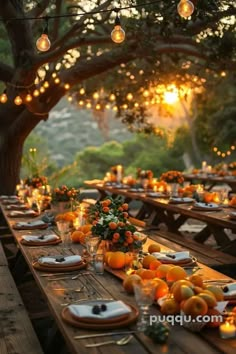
<point>70,129</point>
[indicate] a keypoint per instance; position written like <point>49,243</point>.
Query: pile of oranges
<point>80,235</point>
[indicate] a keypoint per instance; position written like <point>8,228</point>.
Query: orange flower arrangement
<point>110,221</point>
<point>172,177</point>
<point>64,194</point>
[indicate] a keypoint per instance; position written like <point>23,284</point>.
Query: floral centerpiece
<point>172,177</point>
<point>148,174</point>
<point>110,221</point>
<point>36,181</point>
<point>64,194</point>
<point>64,197</point>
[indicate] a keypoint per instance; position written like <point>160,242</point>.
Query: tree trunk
<point>10,163</point>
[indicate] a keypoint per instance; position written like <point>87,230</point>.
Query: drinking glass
<point>49,217</point>
<point>63,227</point>
<point>144,292</point>
<point>92,243</point>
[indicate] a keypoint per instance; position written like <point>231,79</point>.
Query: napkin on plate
<point>16,206</point>
<point>232,215</point>
<point>206,205</point>
<point>230,290</point>
<point>31,223</point>
<point>22,213</point>
<point>114,309</point>
<point>67,260</point>
<point>36,238</point>
<point>172,256</point>
<point>180,200</point>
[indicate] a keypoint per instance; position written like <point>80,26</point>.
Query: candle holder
<point>227,330</point>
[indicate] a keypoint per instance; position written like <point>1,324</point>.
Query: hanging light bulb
<point>118,34</point>
<point>36,93</point>
<point>18,100</point>
<point>42,89</point>
<point>3,98</point>
<point>43,43</point>
<point>28,97</point>
<point>185,8</point>
<point>67,86</point>
<point>46,84</point>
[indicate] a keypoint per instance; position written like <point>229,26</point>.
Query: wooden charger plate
<point>197,208</point>
<point>46,268</point>
<point>35,243</point>
<point>102,324</point>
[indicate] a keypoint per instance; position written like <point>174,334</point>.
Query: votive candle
<point>227,330</point>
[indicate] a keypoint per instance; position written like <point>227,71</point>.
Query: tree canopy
<point>160,47</point>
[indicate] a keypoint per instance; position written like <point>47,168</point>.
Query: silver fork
<point>123,341</point>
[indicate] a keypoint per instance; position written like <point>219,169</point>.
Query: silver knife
<point>103,334</point>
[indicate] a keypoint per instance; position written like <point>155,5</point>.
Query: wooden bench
<point>16,331</point>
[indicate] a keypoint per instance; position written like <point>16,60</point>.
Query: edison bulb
<point>185,8</point>
<point>118,34</point>
<point>18,100</point>
<point>28,97</point>
<point>43,44</point>
<point>3,98</point>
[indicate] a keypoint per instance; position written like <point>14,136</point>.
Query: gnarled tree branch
<point>38,9</point>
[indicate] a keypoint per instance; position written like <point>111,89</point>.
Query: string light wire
<point>81,13</point>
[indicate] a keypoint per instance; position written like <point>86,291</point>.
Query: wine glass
<point>144,292</point>
<point>49,216</point>
<point>92,243</point>
<point>63,227</point>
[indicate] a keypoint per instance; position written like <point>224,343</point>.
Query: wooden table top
<point>220,217</point>
<point>108,286</point>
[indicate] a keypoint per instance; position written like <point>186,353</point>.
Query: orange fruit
<point>182,292</point>
<point>162,288</point>
<point>154,264</point>
<point>86,228</point>
<point>116,260</point>
<point>148,274</point>
<point>210,299</point>
<point>76,236</point>
<point>162,270</point>
<point>217,291</point>
<point>147,260</point>
<point>181,282</point>
<point>106,256</point>
<point>195,306</point>
<point>196,280</point>
<point>176,273</point>
<point>140,271</point>
<point>129,282</point>
<point>60,217</point>
<point>154,247</point>
<point>170,307</point>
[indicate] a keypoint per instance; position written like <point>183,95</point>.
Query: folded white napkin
<point>206,205</point>
<point>181,200</point>
<point>31,223</point>
<point>114,309</point>
<point>9,196</point>
<point>230,289</point>
<point>36,238</point>
<point>23,213</point>
<point>18,206</point>
<point>11,201</point>
<point>173,256</point>
<point>68,260</point>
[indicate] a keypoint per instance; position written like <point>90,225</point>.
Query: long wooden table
<point>211,181</point>
<point>175,215</point>
<point>181,341</point>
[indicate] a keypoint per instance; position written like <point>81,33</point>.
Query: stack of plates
<point>179,258</point>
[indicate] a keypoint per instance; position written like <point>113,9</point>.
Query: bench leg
<point>55,342</point>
